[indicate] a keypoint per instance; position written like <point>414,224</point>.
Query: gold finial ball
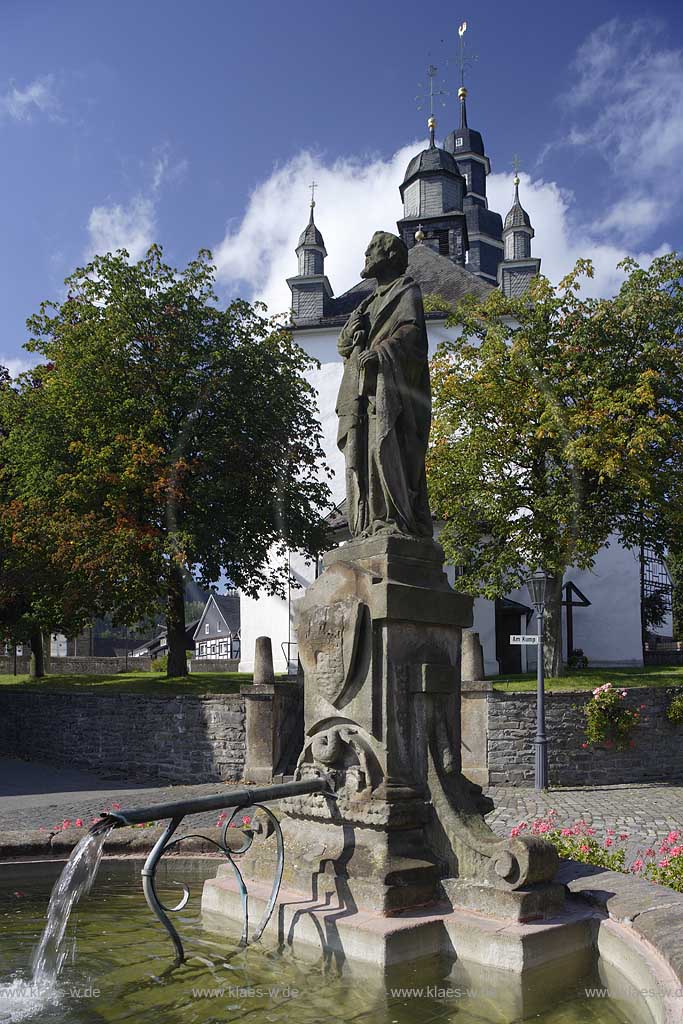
<point>420,235</point>
<point>516,179</point>
<point>431,123</point>
<point>462,92</point>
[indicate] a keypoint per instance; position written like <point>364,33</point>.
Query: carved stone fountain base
<point>400,830</point>
<point>324,925</point>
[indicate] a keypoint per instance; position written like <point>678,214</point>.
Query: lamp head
<point>537,583</point>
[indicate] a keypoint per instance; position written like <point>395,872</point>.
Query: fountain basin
<point>628,930</point>
<point>126,957</point>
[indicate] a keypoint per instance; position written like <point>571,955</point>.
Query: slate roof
<point>436,275</point>
<point>517,216</point>
<point>432,159</point>
<point>472,142</point>
<point>229,607</point>
<point>310,235</point>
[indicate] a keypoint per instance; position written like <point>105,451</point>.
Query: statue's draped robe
<point>384,413</point>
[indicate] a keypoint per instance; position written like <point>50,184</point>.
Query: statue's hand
<point>359,339</point>
<point>370,356</point>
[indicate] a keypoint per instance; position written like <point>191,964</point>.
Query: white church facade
<point>457,246</point>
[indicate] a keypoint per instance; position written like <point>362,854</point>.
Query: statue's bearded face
<point>376,258</point>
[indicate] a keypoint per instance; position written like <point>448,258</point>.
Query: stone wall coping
<point>653,911</point>
<point>258,691</point>
<point>22,844</point>
<point>573,694</point>
<point>476,686</point>
<point>52,690</point>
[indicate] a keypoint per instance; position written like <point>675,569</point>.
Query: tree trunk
<point>175,623</point>
<point>554,663</point>
<point>37,664</point>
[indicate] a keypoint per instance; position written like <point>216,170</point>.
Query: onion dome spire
<point>310,287</point>
<point>518,266</point>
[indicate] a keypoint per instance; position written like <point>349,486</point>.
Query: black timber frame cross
<point>570,591</point>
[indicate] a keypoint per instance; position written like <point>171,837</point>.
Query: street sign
<point>523,640</point>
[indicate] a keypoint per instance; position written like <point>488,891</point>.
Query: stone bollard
<point>472,657</point>
<point>263,662</point>
<point>274,719</point>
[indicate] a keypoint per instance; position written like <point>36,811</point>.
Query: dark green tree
<point>164,438</point>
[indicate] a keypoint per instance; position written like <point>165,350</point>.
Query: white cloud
<point>128,227</point>
<point>16,365</point>
<point>562,237</point>
<point>628,97</point>
<point>358,196</point>
<point>355,197</point>
<point>38,96</point>
<point>165,170</point>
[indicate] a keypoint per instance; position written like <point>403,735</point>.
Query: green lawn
<point>656,675</point>
<point>135,682</point>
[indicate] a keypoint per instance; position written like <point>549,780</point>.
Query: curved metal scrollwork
<point>239,800</point>
<point>165,843</point>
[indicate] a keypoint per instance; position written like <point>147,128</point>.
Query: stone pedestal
<point>402,829</point>
<point>272,716</point>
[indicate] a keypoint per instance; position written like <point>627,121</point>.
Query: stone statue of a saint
<point>384,404</point>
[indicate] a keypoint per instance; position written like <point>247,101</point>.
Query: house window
<point>218,627</point>
<point>458,143</point>
<point>206,627</point>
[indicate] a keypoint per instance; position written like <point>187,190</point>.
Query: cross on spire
<point>430,97</point>
<point>516,165</point>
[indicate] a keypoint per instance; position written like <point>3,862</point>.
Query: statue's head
<point>386,257</point>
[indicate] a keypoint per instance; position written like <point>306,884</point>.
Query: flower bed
<point>662,863</point>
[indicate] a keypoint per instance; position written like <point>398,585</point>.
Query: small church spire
<point>518,266</point>
<point>462,96</point>
<point>310,287</point>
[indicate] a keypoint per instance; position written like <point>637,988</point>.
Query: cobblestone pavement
<point>645,813</point>
<point>34,795</point>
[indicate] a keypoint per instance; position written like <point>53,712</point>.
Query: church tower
<point>484,227</point>
<point>432,191</point>
<point>518,266</point>
<point>310,288</point>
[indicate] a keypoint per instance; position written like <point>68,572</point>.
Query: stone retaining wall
<point>214,665</point>
<point>85,666</point>
<point>657,754</point>
<point>181,739</point>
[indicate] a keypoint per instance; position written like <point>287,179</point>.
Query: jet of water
<point>74,882</point>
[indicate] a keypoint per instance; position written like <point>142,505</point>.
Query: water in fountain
<point>21,997</point>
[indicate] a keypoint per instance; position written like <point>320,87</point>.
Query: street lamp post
<point>538,584</point>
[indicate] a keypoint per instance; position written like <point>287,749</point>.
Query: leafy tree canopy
<point>558,422</point>
<point>161,436</point>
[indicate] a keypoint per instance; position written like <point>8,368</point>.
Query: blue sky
<point>201,125</point>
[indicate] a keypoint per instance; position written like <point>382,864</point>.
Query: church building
<point>457,246</point>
